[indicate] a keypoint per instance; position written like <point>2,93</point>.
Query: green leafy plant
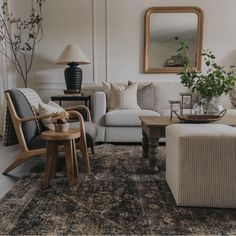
<point>216,81</point>
<point>19,37</point>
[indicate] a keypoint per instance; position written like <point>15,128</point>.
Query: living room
<point>135,134</point>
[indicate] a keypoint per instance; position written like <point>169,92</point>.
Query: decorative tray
<point>205,118</point>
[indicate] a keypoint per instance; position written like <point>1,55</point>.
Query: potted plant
<point>60,121</point>
<point>19,37</point>
<point>209,85</point>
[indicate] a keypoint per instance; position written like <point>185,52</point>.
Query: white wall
<point>110,32</point>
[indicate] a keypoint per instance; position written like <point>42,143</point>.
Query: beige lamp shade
<point>72,53</point>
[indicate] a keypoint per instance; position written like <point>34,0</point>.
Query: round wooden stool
<point>54,139</point>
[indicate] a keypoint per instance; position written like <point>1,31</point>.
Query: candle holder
<point>172,104</point>
<point>184,97</point>
<point>182,104</point>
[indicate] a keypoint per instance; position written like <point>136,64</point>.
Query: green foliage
<point>214,82</point>
<point>18,37</point>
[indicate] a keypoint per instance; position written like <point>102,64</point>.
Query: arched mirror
<point>165,28</point>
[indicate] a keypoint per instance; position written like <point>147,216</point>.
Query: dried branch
<point>21,37</point>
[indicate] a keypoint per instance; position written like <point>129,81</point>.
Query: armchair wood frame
<point>26,153</point>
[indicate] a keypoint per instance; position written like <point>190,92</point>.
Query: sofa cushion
<point>124,97</point>
<point>107,90</point>
<point>145,95</point>
<point>225,101</point>
<point>24,110</point>
<point>165,91</point>
<point>232,94</point>
<point>127,117</point>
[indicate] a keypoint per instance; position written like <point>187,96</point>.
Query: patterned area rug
<point>122,196</point>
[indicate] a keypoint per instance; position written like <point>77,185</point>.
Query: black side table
<point>70,97</point>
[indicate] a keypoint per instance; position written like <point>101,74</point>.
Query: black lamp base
<point>73,77</point>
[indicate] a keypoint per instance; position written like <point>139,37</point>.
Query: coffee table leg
<point>153,153</point>
<point>145,144</point>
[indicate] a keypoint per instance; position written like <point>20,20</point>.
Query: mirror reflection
<point>165,28</point>
<point>166,32</point>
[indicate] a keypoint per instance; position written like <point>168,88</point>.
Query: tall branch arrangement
<point>19,37</point>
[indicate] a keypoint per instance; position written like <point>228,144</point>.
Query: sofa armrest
<point>99,108</point>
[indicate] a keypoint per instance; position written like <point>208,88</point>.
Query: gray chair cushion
<point>90,129</point>
<point>23,110</point>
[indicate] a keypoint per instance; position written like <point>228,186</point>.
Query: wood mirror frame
<point>177,9</point>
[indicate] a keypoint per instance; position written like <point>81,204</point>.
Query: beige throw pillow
<point>107,90</point>
<point>145,95</point>
<point>46,109</point>
<point>124,97</point>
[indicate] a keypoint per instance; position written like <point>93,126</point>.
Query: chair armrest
<point>99,107</point>
<point>81,124</point>
<point>83,107</point>
<point>35,118</point>
<point>71,113</point>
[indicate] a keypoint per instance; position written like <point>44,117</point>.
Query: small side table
<point>70,97</point>
<point>54,139</point>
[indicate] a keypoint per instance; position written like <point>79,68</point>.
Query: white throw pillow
<point>124,97</point>
<point>232,95</point>
<point>165,91</point>
<point>145,95</point>
<point>46,109</point>
<point>225,101</point>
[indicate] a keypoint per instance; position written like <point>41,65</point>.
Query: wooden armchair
<point>28,131</point>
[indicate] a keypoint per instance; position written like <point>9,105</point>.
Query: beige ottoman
<point>201,164</point>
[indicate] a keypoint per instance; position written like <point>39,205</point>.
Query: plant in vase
<point>209,85</point>
<point>60,121</point>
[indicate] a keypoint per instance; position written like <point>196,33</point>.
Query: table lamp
<point>72,56</point>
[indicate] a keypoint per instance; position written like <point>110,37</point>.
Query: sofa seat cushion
<point>90,129</point>
<point>121,118</point>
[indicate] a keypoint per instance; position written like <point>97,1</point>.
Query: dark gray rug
<point>122,196</point>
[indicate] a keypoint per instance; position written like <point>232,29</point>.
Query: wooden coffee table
<point>153,128</point>
<point>54,139</point>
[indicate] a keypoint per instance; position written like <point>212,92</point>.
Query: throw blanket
<point>9,134</point>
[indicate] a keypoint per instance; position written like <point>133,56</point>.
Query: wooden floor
<point>7,155</point>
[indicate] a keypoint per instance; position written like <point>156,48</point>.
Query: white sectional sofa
<point>124,125</point>
<point>118,125</point>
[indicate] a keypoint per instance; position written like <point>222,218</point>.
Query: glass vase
<point>211,106</point>
<point>198,109</point>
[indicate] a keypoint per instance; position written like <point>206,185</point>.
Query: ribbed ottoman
<point>201,164</point>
